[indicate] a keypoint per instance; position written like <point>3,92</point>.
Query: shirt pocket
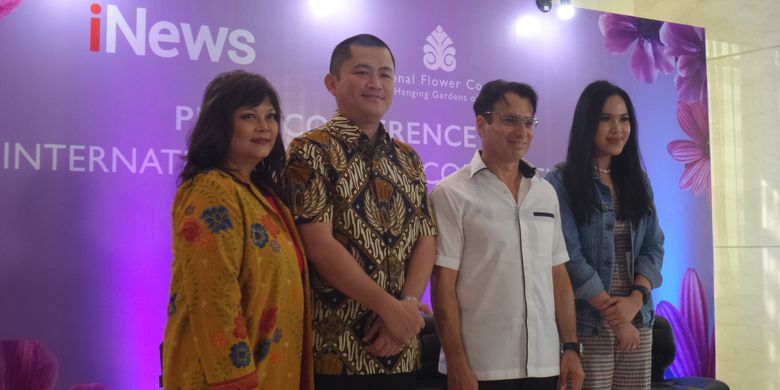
<point>492,232</point>
<point>538,233</point>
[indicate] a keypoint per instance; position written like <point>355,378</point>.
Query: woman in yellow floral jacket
<point>238,315</point>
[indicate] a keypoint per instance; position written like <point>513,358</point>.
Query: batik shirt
<point>238,315</point>
<point>376,199</point>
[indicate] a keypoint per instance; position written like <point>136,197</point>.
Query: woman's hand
<point>627,337</point>
<point>620,310</point>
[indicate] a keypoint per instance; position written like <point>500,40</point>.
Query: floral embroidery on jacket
<point>239,355</point>
<point>269,223</point>
<point>259,235</point>
<point>230,290</point>
<point>268,320</point>
<point>240,329</point>
<point>263,350</point>
<point>217,219</point>
<point>190,229</point>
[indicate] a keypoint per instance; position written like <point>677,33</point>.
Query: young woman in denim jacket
<point>614,241</point>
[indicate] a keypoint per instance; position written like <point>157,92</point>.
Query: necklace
<point>603,171</point>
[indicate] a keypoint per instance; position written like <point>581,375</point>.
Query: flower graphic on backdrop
<point>90,386</point>
<point>694,342</point>
<point>624,32</point>
<point>6,6</point>
<point>439,52</point>
<point>27,364</point>
<point>686,43</point>
<point>694,153</point>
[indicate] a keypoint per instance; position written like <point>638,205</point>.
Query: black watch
<point>642,289</point>
<point>572,346</point>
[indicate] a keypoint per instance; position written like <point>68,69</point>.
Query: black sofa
<point>663,356</point>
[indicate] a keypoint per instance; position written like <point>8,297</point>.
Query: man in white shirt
<point>503,302</point>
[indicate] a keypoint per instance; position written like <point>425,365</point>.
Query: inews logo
<point>165,38</point>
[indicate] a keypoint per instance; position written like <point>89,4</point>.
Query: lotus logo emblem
<point>439,52</point>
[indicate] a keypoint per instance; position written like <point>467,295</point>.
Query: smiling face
<point>613,128</point>
<point>507,137</point>
<point>254,132</point>
<point>364,85</point>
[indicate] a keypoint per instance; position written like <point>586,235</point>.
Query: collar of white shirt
<point>477,164</point>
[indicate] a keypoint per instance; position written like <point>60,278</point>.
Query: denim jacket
<point>591,252</point>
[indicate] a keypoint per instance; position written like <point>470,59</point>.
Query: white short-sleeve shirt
<point>504,252</point>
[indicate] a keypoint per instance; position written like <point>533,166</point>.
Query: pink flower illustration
<point>89,386</point>
<point>6,6</point>
<point>648,58</point>
<point>27,364</point>
<point>694,153</point>
<point>694,342</point>
<point>686,43</point>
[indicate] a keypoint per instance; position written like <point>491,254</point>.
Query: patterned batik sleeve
<point>209,244</point>
<point>308,189</point>
<point>427,222</point>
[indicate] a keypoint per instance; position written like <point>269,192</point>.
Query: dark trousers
<point>548,383</point>
<point>365,382</point>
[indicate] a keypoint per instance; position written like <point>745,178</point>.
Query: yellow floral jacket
<point>239,308</point>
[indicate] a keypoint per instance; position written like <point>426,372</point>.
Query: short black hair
<point>343,51</point>
<point>496,90</point>
<point>209,142</point>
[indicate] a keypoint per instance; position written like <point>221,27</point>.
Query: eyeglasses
<point>511,120</point>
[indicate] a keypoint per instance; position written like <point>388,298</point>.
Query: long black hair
<point>209,142</point>
<point>627,172</point>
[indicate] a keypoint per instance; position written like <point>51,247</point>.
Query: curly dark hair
<point>209,141</point>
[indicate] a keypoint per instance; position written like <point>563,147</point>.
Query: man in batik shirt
<point>360,201</point>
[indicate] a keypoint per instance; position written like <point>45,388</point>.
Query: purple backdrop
<point>97,99</point>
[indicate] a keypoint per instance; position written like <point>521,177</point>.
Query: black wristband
<point>572,346</point>
<point>642,289</point>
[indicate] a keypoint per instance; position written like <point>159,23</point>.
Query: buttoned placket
<point>520,200</point>
<point>518,218</point>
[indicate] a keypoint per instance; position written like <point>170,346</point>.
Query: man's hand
<point>627,337</point>
<point>461,377</point>
<point>572,373</point>
<point>403,320</point>
<point>619,310</point>
<point>380,342</point>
